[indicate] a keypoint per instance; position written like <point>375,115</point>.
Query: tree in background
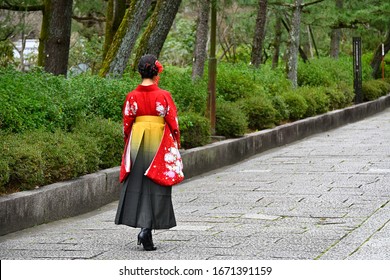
<point>292,62</point>
<point>116,10</point>
<point>277,40</point>
<point>55,31</point>
<point>202,28</point>
<point>125,38</point>
<point>55,36</point>
<point>336,35</point>
<point>258,38</point>
<point>156,32</point>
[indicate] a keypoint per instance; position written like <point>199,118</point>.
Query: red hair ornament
<point>160,68</point>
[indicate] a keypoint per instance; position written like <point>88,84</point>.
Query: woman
<point>151,161</point>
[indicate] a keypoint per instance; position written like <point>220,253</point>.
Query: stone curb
<point>74,197</point>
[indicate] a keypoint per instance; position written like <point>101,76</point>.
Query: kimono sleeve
<point>130,109</point>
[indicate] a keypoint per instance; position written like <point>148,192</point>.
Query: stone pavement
<point>325,197</point>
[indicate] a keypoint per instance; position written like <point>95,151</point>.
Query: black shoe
<point>145,238</point>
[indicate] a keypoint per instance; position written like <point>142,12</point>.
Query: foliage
<point>188,95</point>
<point>234,83</point>
<point>179,45</point>
<point>108,138</point>
<point>296,104</point>
<point>316,99</point>
<point>41,157</point>
<point>374,89</point>
<point>231,121</point>
<point>24,161</point>
<point>6,53</point>
<point>259,112</point>
<point>282,114</point>
<point>195,130</point>
<point>340,95</point>
<point>273,82</point>
<point>86,55</point>
<point>325,71</point>
<point>36,100</point>
<point>29,100</point>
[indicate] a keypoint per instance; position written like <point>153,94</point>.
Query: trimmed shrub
<point>231,120</point>
<point>41,157</point>
<point>384,86</point>
<point>25,162</point>
<point>325,71</point>
<point>108,138</point>
<point>273,82</point>
<point>91,150</point>
<point>313,74</point>
<point>296,104</point>
<point>316,99</point>
<point>37,100</point>
<point>259,111</point>
<point>281,114</point>
<point>374,89</point>
<point>194,129</point>
<point>63,157</point>
<point>235,82</point>
<point>4,173</point>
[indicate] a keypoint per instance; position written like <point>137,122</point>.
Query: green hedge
<point>194,129</point>
<point>37,100</point>
<point>259,112</point>
<point>41,157</point>
<point>235,82</point>
<point>374,89</point>
<point>231,120</point>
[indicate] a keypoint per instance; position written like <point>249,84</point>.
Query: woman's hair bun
<point>147,66</point>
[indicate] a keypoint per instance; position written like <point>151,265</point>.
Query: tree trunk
<point>335,35</point>
<point>109,32</point>
<point>301,52</point>
<point>158,28</point>
<point>124,40</point>
<point>377,59</point>
<point>258,38</point>
<point>200,52</point>
<point>116,10</point>
<point>119,11</point>
<point>292,63</point>
<point>309,42</point>
<point>55,36</point>
<point>277,40</point>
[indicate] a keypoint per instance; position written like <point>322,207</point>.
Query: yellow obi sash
<point>149,129</point>
<point>154,119</point>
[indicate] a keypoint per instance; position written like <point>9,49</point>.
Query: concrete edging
<point>74,197</point>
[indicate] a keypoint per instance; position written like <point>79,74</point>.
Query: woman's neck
<point>147,82</point>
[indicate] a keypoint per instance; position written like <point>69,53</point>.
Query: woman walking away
<point>151,162</point>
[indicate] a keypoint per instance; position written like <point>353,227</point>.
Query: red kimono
<point>152,103</point>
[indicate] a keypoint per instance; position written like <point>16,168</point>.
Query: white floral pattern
<point>160,109</point>
<point>173,163</point>
<point>131,109</point>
